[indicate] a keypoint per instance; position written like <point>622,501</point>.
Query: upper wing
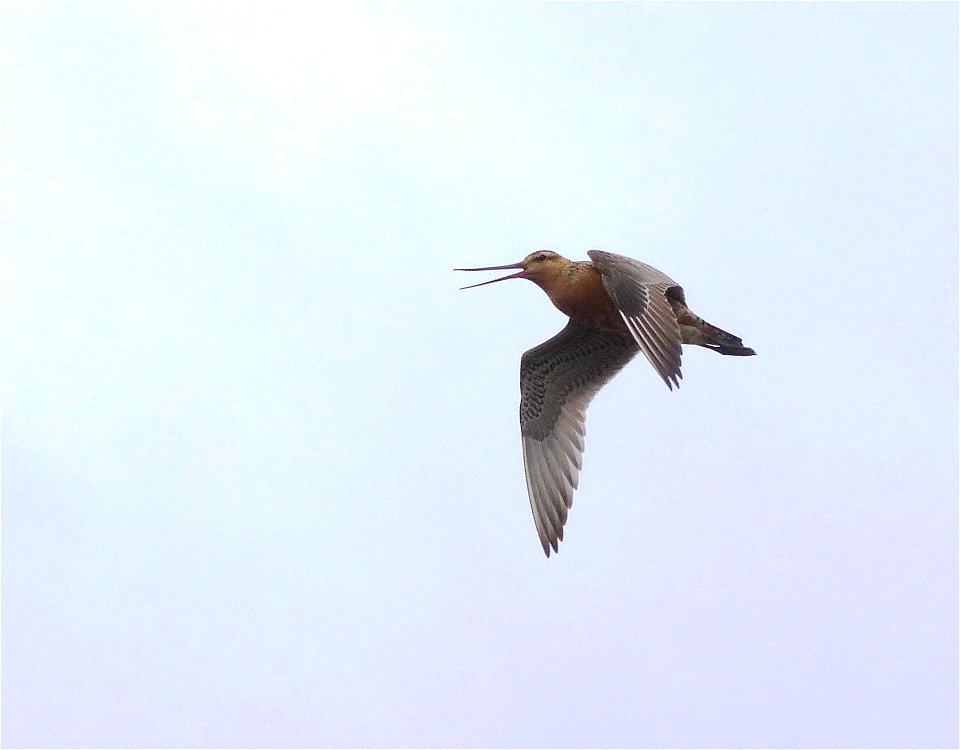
<point>558,379</point>
<point>639,292</point>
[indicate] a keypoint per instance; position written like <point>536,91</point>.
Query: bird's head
<point>541,267</point>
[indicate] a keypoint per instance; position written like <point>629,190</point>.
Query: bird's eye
<point>542,257</point>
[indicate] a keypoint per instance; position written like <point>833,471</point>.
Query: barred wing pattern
<point>639,292</point>
<point>558,379</point>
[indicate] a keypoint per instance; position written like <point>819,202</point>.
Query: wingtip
<point>551,544</point>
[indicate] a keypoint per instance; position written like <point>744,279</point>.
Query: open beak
<point>518,275</point>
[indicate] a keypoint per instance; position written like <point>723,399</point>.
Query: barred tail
<point>723,342</point>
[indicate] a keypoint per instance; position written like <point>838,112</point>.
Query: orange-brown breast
<point>579,292</point>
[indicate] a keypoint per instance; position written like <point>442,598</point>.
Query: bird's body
<point>617,307</point>
<point>577,291</point>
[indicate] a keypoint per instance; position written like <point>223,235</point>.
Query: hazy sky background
<point>262,482</point>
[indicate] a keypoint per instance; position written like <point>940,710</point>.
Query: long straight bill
<point>517,275</point>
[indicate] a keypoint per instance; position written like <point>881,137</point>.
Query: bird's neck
<point>577,290</point>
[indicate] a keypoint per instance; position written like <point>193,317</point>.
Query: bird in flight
<point>617,306</point>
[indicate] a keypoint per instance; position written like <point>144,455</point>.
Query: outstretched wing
<point>558,379</point>
<point>640,293</point>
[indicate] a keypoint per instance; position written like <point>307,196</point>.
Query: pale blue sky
<point>262,482</point>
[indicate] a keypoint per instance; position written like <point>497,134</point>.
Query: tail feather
<point>695,330</point>
<point>734,351</point>
<point>725,343</point>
